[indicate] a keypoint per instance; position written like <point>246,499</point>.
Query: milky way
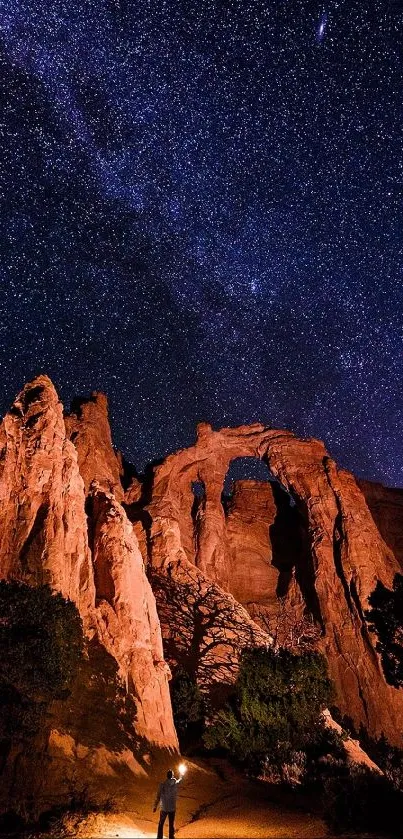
<point>201,215</point>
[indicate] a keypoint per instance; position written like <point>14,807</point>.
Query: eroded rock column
<point>43,526</point>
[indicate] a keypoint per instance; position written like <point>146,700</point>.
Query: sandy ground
<point>215,802</point>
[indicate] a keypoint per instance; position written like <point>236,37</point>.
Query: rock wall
<point>88,427</point>
<point>252,512</point>
<point>264,543</point>
<point>44,529</point>
<point>126,617</point>
<point>43,526</point>
<point>204,627</point>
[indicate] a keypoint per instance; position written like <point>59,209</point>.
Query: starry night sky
<point>201,214</point>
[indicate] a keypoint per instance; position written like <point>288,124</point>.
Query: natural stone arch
<point>347,555</point>
<point>206,462</point>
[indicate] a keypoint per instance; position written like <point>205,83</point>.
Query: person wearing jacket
<point>166,798</point>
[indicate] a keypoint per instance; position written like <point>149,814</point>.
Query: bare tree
<point>204,628</point>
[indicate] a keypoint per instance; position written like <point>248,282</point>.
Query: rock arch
<point>347,555</point>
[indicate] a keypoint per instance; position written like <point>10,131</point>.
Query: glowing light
<point>182,768</point>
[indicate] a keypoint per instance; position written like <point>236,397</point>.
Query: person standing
<point>166,798</point>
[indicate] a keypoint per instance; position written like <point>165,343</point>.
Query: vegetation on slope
<point>41,646</point>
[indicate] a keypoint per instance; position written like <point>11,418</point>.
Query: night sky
<point>201,215</point>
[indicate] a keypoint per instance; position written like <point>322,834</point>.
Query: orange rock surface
<point>337,559</point>
<point>264,547</point>
<point>126,618</point>
<point>306,546</point>
<point>88,427</point>
<point>43,526</point>
<point>44,539</point>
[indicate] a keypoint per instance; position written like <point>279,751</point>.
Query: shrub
<point>274,712</point>
<point>188,706</point>
<point>389,758</point>
<point>41,645</point>
<point>386,619</point>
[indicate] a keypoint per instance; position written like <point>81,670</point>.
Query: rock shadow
<point>286,538</point>
<point>99,711</point>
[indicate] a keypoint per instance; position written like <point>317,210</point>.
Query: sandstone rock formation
<point>44,539</point>
<point>264,545</point>
<point>355,755</point>
<point>336,560</point>
<point>126,617</point>
<point>43,526</point>
<point>252,575</point>
<point>204,627</point>
<point>290,561</point>
<point>88,427</point>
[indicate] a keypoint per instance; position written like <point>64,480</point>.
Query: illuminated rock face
<point>326,574</point>
<point>43,527</point>
<point>126,618</point>
<point>88,427</point>
<point>252,577</point>
<point>302,551</point>
<point>44,539</point>
<point>204,627</point>
<point>264,546</point>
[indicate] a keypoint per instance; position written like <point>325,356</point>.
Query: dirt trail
<point>215,802</point>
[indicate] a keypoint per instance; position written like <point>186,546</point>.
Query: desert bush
<point>41,646</point>
<point>188,707</point>
<point>274,713</point>
<point>389,758</point>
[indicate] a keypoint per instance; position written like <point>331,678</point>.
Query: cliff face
<point>321,561</point>
<point>204,627</point>
<point>44,539</point>
<point>347,558</point>
<point>43,527</point>
<point>264,544</point>
<point>252,512</point>
<point>126,618</point>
